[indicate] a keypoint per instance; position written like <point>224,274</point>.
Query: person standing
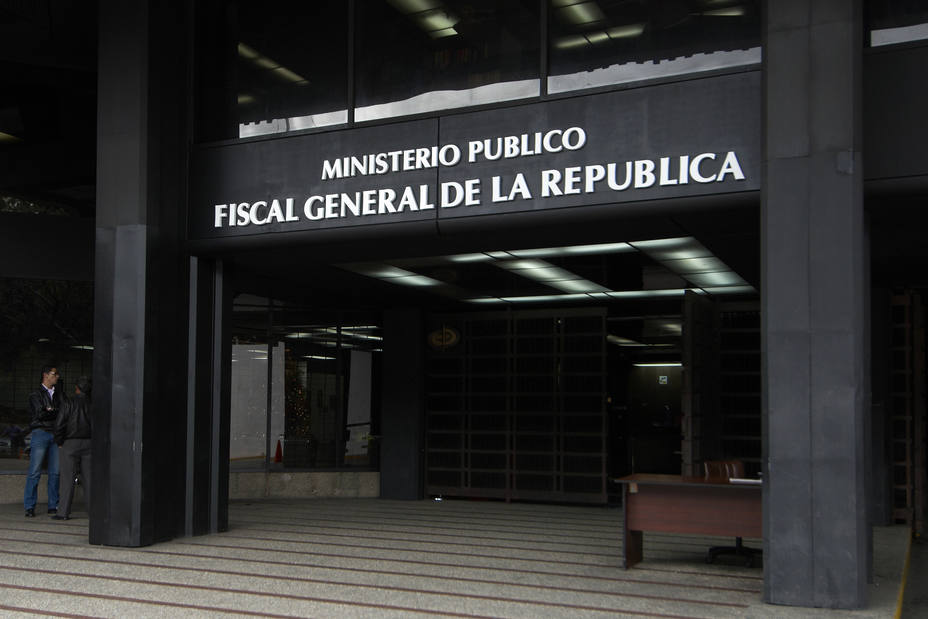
<point>44,403</point>
<point>73,428</point>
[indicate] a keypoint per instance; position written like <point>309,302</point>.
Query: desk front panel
<point>700,509</point>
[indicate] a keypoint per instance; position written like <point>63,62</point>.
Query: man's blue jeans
<point>42,443</point>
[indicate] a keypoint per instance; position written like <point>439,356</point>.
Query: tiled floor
<point>378,558</point>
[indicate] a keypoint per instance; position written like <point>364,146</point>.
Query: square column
<point>815,297</point>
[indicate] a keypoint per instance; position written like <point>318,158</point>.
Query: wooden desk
<point>676,504</point>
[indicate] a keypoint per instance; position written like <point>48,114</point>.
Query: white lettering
<point>312,212</point>
<point>242,212</point>
<point>594,174</point>
<point>221,212</point>
<point>695,174</point>
<point>444,158</point>
<point>275,213</point>
<point>253,213</point>
<point>546,142</point>
<point>644,173</point>
<point>574,138</point>
<point>572,180</point>
<point>549,181</point>
<point>331,169</point>
<point>731,166</point>
<point>613,183</point>
<point>665,172</point>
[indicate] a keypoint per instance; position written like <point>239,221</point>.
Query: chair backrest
<point>725,469</point>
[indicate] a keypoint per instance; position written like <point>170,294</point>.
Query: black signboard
<point>689,138</point>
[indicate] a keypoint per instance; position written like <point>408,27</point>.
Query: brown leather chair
<point>726,469</point>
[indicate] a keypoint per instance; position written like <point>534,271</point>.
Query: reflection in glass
<point>272,67</point>
<point>321,409</point>
<point>423,55</point>
<point>896,21</point>
<point>44,321</point>
<point>249,402</point>
<point>602,42</point>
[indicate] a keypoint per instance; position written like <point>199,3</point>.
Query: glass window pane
<point>424,55</point>
<point>322,409</point>
<point>45,322</point>
<point>896,21</point>
<point>330,394</point>
<point>271,67</point>
<point>249,397</point>
<point>601,42</point>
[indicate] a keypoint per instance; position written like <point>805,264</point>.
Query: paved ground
<point>376,558</point>
<point>915,605</point>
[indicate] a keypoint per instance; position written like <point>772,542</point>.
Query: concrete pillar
<point>139,309</point>
<point>815,299</point>
<point>402,412</point>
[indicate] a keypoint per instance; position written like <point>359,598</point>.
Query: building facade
<point>506,250</point>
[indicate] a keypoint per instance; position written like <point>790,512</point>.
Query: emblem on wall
<point>444,338</point>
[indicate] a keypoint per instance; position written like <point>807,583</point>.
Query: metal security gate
<point>515,406</point>
<point>908,410</point>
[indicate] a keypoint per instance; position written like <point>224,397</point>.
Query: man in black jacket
<point>73,428</point>
<point>44,403</point>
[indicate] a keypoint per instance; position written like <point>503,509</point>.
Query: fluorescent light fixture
<point>414,6</point>
<point>394,275</point>
<point>260,358</point>
<point>82,347</point>
<point>658,365</point>
<point>718,278</point>
<point>486,300</point>
<point>695,265</point>
<point>732,11</point>
<point>544,298</point>
<point>414,280</point>
<point>429,15</point>
<point>581,13</point>
<point>550,275</point>
<point>444,32</point>
<point>646,294</point>
<point>437,20</point>
<point>577,285</point>
<point>347,332</point>
<point>624,341</point>
<point>730,290</point>
<point>263,62</point>
<point>288,75</point>
<point>319,357</point>
<point>571,42</point>
<point>599,36</point>
<point>573,250</point>
<point>386,272</point>
<point>678,248</point>
<point>690,259</point>
<point>625,32</point>
<point>464,258</point>
<point>515,265</point>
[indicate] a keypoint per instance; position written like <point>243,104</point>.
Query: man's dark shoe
<point>57,517</point>
<point>30,513</point>
<point>53,511</point>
